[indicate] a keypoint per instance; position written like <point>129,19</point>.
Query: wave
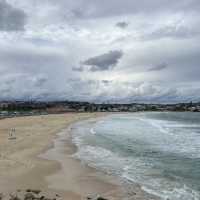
<point>104,151</point>
<point>92,131</point>
<point>105,160</point>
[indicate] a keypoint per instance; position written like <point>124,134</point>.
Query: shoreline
<point>75,176</point>
<point>101,183</point>
<point>23,163</point>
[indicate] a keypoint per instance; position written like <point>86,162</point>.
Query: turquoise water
<point>160,151</point>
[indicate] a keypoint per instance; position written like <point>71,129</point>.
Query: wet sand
<point>75,176</point>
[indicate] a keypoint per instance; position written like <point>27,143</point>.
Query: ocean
<point>158,150</point>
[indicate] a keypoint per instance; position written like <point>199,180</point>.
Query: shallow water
<point>160,151</point>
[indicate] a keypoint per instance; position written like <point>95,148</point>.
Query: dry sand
<point>40,158</point>
<point>22,168</point>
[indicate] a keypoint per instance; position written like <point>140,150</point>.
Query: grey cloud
<point>87,9</point>
<point>25,86</point>
<point>29,59</point>
<point>158,67</point>
<point>104,62</point>
<point>38,63</point>
<point>30,72</point>
<point>11,19</point>
<point>181,60</point>
<point>122,24</point>
<point>94,8</point>
<point>78,69</point>
<point>106,82</point>
<point>39,81</point>
<point>40,41</point>
<point>142,92</point>
<point>172,31</point>
<point>77,13</point>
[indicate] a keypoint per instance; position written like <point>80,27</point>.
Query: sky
<point>100,51</point>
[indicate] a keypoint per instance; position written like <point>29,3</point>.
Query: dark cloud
<point>122,24</point>
<point>106,82</point>
<point>103,62</point>
<point>11,19</point>
<point>158,67</point>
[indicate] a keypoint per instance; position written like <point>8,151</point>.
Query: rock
<point>48,199</point>
<point>96,198</point>
<point>92,197</point>
<point>13,197</point>
<point>36,191</point>
<point>29,196</point>
<point>132,193</point>
<point>101,198</point>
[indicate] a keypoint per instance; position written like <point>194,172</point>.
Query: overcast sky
<point>100,50</point>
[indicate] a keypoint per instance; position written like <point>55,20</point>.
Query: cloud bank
<point>91,50</point>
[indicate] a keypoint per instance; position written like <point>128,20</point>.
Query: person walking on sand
<point>12,134</point>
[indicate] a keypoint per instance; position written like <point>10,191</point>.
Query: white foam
<point>92,131</point>
<point>111,163</point>
<point>136,169</point>
<point>184,193</point>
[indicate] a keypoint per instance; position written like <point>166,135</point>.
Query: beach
<point>27,161</point>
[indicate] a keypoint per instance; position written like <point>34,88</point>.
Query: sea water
<point>158,150</point>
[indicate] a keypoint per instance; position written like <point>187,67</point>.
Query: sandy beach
<point>23,164</point>
<point>41,158</point>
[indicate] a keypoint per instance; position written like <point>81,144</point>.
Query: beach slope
<point>23,167</point>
